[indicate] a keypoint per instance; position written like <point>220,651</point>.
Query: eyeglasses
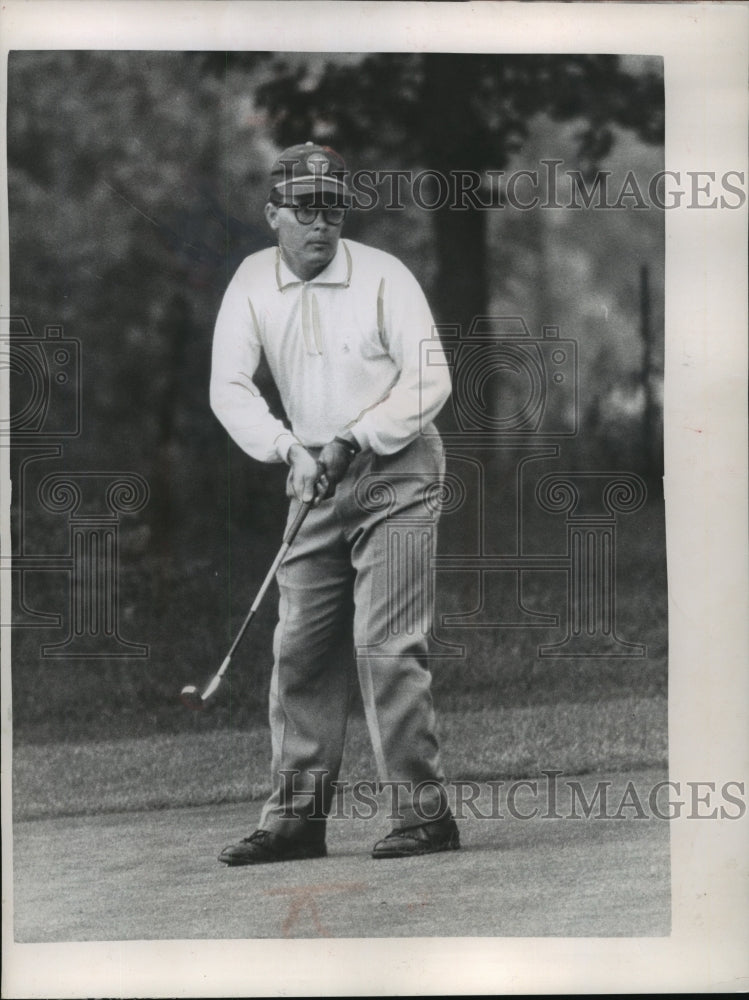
<point>306,214</point>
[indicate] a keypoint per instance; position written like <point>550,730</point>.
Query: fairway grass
<point>201,768</point>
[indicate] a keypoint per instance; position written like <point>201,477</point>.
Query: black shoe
<point>429,838</point>
<point>262,847</point>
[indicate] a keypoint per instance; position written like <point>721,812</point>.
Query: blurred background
<point>136,186</point>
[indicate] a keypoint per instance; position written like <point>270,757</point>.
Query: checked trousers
<point>362,554</point>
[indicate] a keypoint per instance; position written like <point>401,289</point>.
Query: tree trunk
<point>453,140</point>
<point>460,291</point>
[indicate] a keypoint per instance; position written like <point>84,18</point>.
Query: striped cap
<point>309,169</point>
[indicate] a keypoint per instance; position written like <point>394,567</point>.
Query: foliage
<point>452,111</point>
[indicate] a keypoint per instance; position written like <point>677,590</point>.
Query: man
<point>341,325</point>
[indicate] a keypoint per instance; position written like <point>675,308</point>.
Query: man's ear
<point>271,215</point>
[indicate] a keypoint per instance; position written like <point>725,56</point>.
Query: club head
<point>191,698</point>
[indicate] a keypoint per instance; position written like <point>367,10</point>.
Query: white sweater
<point>354,348</point>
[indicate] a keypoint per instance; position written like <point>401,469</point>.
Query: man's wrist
<point>349,442</point>
<point>284,443</point>
<point>357,433</point>
<point>351,437</point>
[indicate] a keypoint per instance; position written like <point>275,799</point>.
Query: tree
<point>455,112</point>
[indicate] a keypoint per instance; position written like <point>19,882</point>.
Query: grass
<point>189,628</point>
<point>232,765</point>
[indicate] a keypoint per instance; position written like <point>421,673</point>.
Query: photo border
<point>705,58</point>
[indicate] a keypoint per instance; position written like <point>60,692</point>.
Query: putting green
<point>154,875</point>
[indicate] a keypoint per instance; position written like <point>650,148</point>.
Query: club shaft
<point>288,539</point>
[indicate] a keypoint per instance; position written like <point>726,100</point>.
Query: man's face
<point>307,249</point>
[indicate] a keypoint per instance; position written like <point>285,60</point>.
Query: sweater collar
<point>336,274</point>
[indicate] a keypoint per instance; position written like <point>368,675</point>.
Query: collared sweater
<point>354,348</point>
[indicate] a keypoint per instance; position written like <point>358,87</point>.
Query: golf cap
<point>309,169</point>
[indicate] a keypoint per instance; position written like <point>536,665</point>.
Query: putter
<point>190,695</point>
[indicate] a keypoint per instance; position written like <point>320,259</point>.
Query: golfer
<point>340,325</point>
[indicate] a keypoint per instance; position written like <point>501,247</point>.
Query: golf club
<point>190,695</point>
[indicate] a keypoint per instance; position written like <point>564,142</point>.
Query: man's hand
<point>334,461</point>
<point>304,479</point>
<point>317,480</point>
